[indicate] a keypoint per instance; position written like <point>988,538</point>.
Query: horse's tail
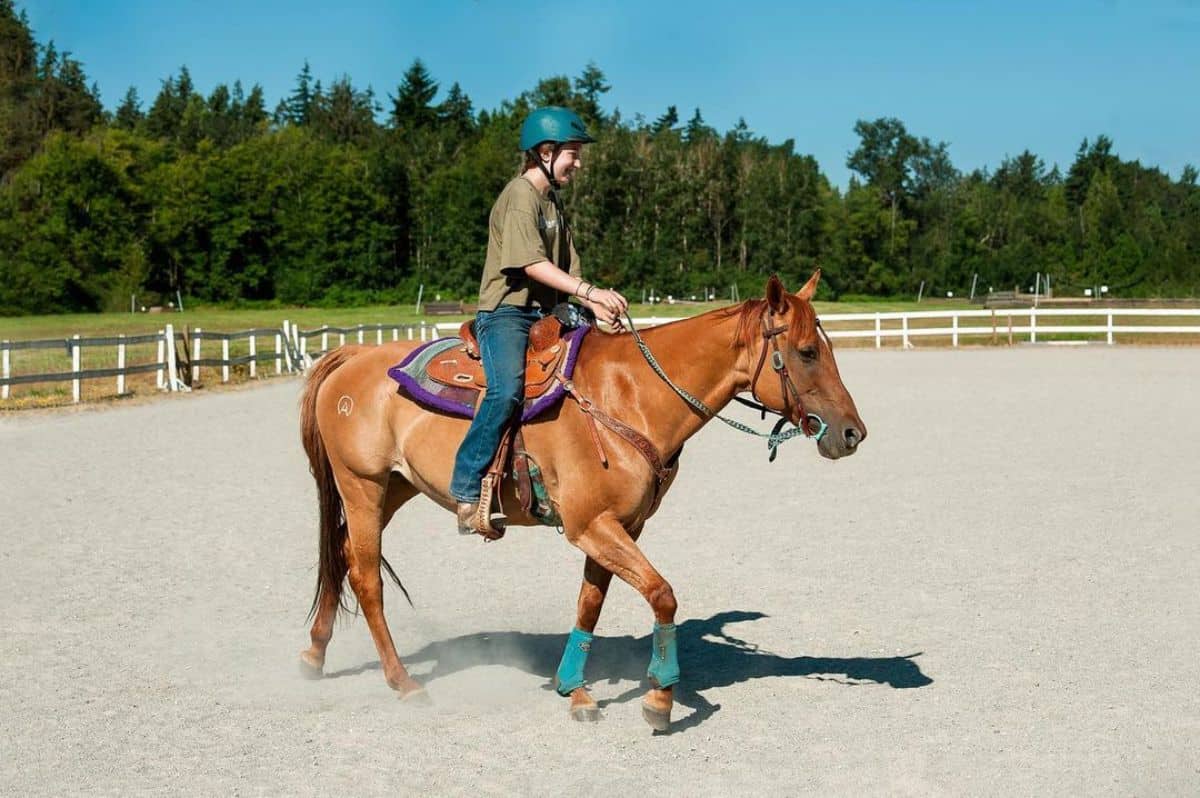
<point>331,572</point>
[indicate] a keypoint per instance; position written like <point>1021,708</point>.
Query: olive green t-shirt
<point>523,229</point>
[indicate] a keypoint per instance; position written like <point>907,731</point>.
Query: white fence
<point>180,355</point>
<point>294,349</point>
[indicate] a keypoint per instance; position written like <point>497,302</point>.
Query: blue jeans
<point>503,336</point>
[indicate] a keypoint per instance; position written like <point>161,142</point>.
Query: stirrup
<point>475,519</point>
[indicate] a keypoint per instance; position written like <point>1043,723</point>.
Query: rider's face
<point>570,159</point>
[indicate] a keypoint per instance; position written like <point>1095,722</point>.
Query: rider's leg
<point>503,338</point>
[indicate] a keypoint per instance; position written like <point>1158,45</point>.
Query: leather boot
<point>469,522</point>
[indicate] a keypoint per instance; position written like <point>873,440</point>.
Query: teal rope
<point>775,437</point>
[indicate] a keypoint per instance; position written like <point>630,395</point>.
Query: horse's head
<point>791,368</point>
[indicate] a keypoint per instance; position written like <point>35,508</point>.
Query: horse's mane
<point>750,314</point>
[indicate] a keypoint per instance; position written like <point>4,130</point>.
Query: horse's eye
<point>809,353</point>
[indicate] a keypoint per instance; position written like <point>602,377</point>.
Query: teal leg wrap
<point>664,658</point>
<point>574,658</point>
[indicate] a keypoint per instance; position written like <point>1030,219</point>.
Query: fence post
<point>287,344</point>
<point>75,357</point>
<point>878,337</point>
<point>994,341</point>
<point>1010,333</point>
<point>4,370</point>
<point>1033,325</point>
<point>954,325</point>
<point>395,333</point>
<point>325,340</point>
<point>303,346</point>
<point>279,353</point>
<point>410,334</point>
<point>360,334</point>
<point>378,336</point>
<point>904,327</point>
<point>121,365</point>
<point>195,355</point>
<point>253,353</point>
<point>225,357</point>
<point>296,339</point>
<point>1110,328</point>
<point>172,365</point>
<point>159,377</point>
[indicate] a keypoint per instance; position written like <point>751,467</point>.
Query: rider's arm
<point>608,305</point>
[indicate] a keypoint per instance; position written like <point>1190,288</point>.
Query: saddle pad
<point>414,381</point>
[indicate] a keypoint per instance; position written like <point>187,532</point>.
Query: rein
<point>776,436</point>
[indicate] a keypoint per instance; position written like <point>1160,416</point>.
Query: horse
<point>371,449</point>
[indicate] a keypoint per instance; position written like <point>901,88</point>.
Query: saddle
<point>462,368</point>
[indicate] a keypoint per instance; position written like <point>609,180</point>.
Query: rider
<point>531,264</point>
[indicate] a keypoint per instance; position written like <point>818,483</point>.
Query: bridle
<point>787,387</point>
<point>777,435</point>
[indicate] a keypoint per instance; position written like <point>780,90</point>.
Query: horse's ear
<point>810,288</point>
<point>775,292</point>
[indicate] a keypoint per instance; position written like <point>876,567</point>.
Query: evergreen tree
<point>129,113</point>
<point>412,107</point>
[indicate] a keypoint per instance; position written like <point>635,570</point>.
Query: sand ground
<point>997,596</point>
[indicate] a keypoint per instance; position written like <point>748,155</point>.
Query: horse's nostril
<point>853,436</point>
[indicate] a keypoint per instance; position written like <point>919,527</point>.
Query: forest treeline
<point>335,195</point>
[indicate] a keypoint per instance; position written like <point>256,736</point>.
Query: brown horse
<point>372,449</point>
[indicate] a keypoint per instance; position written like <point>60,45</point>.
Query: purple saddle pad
<point>414,380</point>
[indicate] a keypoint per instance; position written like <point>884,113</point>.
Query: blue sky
<point>991,79</point>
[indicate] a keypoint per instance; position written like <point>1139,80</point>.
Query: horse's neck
<point>699,356</point>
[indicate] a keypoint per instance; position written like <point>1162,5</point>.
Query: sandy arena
<point>999,595</point>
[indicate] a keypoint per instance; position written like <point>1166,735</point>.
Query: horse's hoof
<point>417,698</point>
<point>657,718</point>
<point>585,714</point>
<point>310,671</point>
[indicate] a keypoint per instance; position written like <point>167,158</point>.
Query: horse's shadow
<point>709,657</point>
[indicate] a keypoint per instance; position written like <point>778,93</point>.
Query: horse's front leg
<point>569,680</point>
<point>613,550</point>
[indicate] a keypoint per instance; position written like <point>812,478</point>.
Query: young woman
<point>531,265</point>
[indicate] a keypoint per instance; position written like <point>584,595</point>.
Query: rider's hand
<point>608,305</point>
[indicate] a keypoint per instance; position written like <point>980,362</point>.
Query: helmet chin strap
<point>548,172</point>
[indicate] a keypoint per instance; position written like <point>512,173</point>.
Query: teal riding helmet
<point>554,123</point>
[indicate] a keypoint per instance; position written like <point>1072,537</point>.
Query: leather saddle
<point>461,367</point>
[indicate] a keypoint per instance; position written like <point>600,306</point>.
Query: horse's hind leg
<point>607,542</point>
<point>312,659</point>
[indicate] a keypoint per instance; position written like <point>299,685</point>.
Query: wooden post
<point>1033,325</point>
<point>422,331</point>
<point>121,365</point>
<point>278,353</point>
<point>195,356</point>
<point>378,336</point>
<point>341,339</point>
<point>954,325</point>
<point>75,358</point>
<point>360,334</point>
<point>225,357</point>
<point>1010,338</point>
<point>160,378</point>
<point>395,333</point>
<point>303,346</point>
<point>253,353</point>
<point>325,341</point>
<point>296,339</point>
<point>287,345</point>
<point>169,343</point>
<point>994,341</point>
<point>1110,328</point>
<point>878,326</point>
<point>4,370</point>
<point>410,333</point>
<point>904,327</point>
